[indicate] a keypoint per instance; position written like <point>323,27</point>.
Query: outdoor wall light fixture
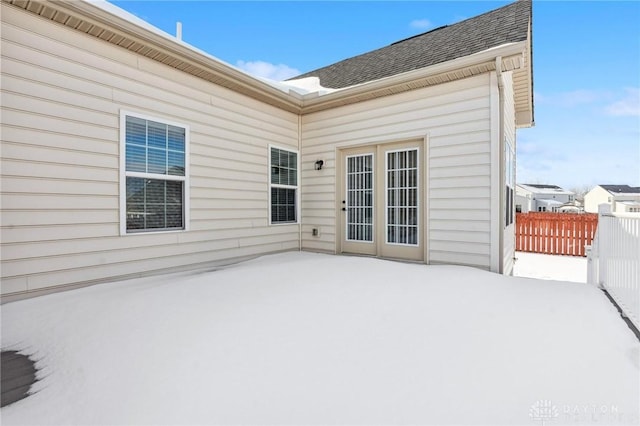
<point>319,164</point>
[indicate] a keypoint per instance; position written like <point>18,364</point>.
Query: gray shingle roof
<point>507,24</point>
<point>624,189</point>
<point>542,186</point>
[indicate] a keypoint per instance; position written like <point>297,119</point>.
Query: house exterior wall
<point>62,93</point>
<point>595,197</point>
<point>630,205</point>
<point>531,201</point>
<point>455,119</point>
<point>522,200</point>
<point>540,198</point>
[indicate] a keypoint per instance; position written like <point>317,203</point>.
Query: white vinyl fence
<point>614,260</point>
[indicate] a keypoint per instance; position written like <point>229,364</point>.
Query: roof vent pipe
<point>179,30</point>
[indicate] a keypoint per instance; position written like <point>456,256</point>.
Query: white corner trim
<point>495,255</point>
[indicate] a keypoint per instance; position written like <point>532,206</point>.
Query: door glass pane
<point>402,197</point>
<point>359,202</point>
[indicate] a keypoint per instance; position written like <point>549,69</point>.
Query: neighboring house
<point>621,198</point>
<point>533,197</point>
<point>127,152</point>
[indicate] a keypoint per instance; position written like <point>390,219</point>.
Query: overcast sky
<point>586,65</point>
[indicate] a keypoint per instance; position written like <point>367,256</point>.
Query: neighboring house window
<point>518,208</point>
<point>284,185</point>
<point>542,209</point>
<point>154,178</point>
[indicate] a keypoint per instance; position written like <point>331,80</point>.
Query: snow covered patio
<point>302,338</point>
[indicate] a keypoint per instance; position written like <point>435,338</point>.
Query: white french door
<point>381,212</point>
<point>358,202</point>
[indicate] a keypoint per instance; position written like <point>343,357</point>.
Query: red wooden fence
<point>555,233</point>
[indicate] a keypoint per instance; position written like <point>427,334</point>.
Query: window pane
<point>157,134</point>
<point>157,161</point>
<point>175,163</point>
<point>136,130</point>
<point>283,205</point>
<point>176,138</point>
<point>284,167</point>
<point>155,216</point>
<point>136,159</point>
<point>135,190</point>
<point>146,147</point>
<point>293,160</point>
<point>154,204</point>
<point>135,216</point>
<point>174,192</point>
<point>154,191</point>
<point>174,216</point>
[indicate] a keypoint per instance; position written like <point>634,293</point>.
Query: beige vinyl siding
<point>521,83</point>
<point>62,93</point>
<point>509,123</point>
<point>455,118</point>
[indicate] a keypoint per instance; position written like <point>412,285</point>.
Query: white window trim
<point>373,192</point>
<point>386,196</point>
<point>123,174</point>
<point>275,185</point>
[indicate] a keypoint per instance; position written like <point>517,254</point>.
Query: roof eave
<point>524,98</point>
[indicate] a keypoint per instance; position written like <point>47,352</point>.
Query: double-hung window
<point>283,185</point>
<point>154,177</point>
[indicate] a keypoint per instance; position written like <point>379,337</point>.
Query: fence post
<point>602,269</point>
<point>592,263</point>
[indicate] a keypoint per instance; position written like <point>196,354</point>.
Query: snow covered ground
<point>302,338</point>
<point>550,267</point>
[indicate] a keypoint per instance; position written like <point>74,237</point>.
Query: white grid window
<point>154,187</point>
<point>284,186</point>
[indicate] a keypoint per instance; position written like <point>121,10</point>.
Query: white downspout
<point>496,255</point>
<point>501,147</point>
<point>299,182</point>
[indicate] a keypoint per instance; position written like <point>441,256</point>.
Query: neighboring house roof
<point>536,188</point>
<point>621,189</point>
<point>540,186</point>
<point>508,24</point>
